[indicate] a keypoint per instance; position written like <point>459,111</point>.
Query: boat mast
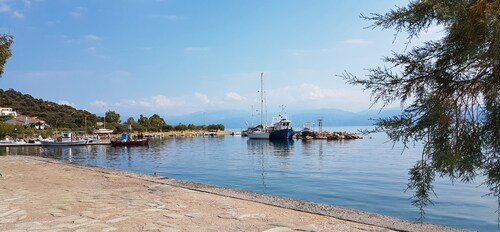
<point>262,99</point>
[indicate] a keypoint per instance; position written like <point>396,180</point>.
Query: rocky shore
<point>38,194</point>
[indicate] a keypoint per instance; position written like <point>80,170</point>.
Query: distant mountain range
<point>237,119</point>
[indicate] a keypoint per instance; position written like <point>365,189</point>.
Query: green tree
<point>130,121</point>
<point>180,127</point>
<point>215,127</point>
<point>156,122</point>
<point>5,44</point>
<point>449,89</point>
<point>112,117</point>
<point>143,121</point>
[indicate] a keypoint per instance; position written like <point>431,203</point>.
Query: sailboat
<point>281,127</point>
<point>260,131</point>
<point>103,130</point>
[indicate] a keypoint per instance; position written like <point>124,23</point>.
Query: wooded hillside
<point>56,115</point>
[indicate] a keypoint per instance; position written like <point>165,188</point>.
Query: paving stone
<point>227,216</point>
<point>109,229</point>
<point>87,200</point>
<point>39,228</point>
<point>8,212</point>
<point>307,228</point>
<point>150,227</point>
<point>86,213</point>
<point>153,210</point>
<point>63,225</point>
<point>253,215</point>
<point>66,208</point>
<point>82,220</point>
<point>27,225</point>
<point>279,229</point>
<point>100,215</point>
<point>7,220</point>
<point>19,213</point>
<point>69,218</point>
<point>173,216</point>
<point>117,220</point>
<point>194,215</point>
<point>57,214</point>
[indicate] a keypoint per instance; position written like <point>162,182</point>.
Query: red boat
<point>126,141</point>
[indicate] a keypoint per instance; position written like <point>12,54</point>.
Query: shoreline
<point>211,207</point>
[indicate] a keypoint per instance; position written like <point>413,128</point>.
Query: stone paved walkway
<point>44,195</point>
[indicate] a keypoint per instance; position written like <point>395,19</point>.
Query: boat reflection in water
<point>269,154</point>
<point>280,148</point>
<point>67,153</point>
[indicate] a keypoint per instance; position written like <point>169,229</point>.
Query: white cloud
<point>121,75</point>
<point>297,53</point>
<point>356,42</point>
<point>64,102</point>
<point>164,102</point>
<point>166,17</point>
<point>307,52</point>
<point>100,104</point>
<point>47,75</point>
<point>4,7</point>
<point>196,49</point>
<point>312,96</point>
<point>232,96</point>
<point>92,38</point>
<point>155,103</point>
<point>18,15</point>
<point>75,14</point>
<point>203,98</point>
<point>78,12</point>
<point>434,32</point>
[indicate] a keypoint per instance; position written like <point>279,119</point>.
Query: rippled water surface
<point>369,174</point>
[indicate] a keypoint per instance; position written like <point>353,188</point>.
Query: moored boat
<point>281,127</point>
<point>66,139</point>
<point>127,141</point>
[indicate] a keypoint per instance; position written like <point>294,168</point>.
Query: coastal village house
<point>28,121</point>
<point>7,112</point>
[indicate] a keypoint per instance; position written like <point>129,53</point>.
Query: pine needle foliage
<point>5,44</point>
<point>449,89</point>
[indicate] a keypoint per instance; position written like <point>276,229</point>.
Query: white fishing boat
<point>66,139</point>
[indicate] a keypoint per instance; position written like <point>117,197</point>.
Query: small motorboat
<point>127,141</point>
<point>66,139</point>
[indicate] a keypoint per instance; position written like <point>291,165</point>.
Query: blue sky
<point>177,57</point>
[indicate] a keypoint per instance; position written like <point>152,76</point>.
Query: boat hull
<point>258,135</point>
<point>65,143</point>
<point>281,134</point>
<point>118,143</point>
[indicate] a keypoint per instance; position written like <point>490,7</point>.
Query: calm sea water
<point>368,174</point>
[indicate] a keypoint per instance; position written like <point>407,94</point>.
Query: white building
<point>7,112</point>
<point>28,121</point>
